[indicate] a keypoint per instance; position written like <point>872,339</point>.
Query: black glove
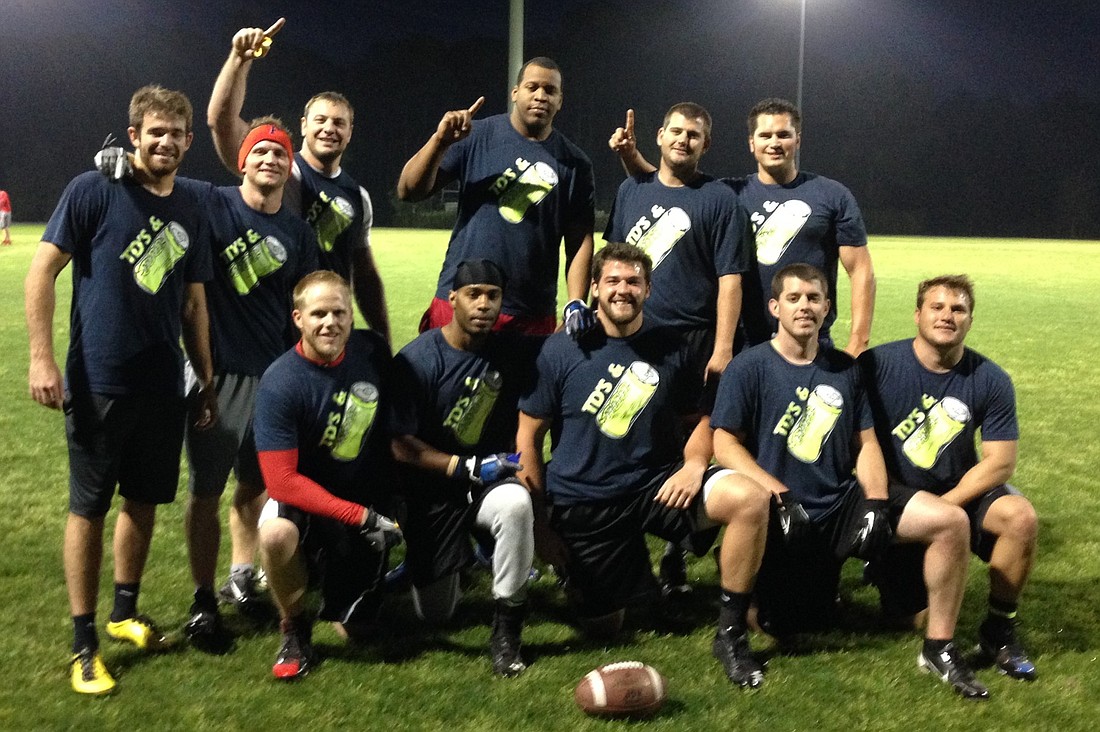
<point>380,531</point>
<point>793,519</point>
<point>111,161</point>
<point>578,318</point>
<point>875,532</point>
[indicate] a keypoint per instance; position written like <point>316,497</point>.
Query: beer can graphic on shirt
<point>333,221</point>
<point>160,257</point>
<point>663,235</point>
<point>630,396</point>
<point>815,424</point>
<point>940,427</point>
<point>780,229</point>
<point>525,191</point>
<point>261,259</point>
<point>359,411</point>
<point>482,400</point>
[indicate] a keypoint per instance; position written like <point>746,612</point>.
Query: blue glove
<point>489,469</point>
<point>578,318</point>
<point>875,532</point>
<point>793,519</point>
<point>380,531</point>
<point>112,162</point>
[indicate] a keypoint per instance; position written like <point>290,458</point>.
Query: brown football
<point>625,689</point>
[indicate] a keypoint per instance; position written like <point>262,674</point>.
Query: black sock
<point>126,597</point>
<point>733,610</point>
<point>1001,617</point>
<point>933,646</point>
<point>84,635</point>
<point>205,599</point>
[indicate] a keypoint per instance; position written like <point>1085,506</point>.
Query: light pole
<point>515,43</point>
<point>801,55</point>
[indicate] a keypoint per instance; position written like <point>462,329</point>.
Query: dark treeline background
<point>940,119</point>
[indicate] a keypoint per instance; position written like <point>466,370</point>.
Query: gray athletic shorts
<point>230,444</point>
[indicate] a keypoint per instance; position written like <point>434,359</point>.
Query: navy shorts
<point>131,441</point>
<point>899,575</point>
<point>609,565</point>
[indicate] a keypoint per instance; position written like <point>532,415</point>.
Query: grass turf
<point>1036,303</point>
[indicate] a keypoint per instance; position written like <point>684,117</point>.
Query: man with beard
<point>261,249</point>
<point>140,255</point>
<point>456,394</point>
<point>337,208</point>
<point>523,188</point>
<point>632,457</point>
<point>325,460</point>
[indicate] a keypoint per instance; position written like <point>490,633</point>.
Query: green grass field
<point>1037,305</point>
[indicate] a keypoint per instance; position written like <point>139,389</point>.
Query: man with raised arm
<point>140,254</point>
<point>793,416</point>
<point>337,208</point>
<point>931,396</point>
<point>523,189</point>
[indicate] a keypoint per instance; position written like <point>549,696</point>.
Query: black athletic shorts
<point>796,588</point>
<point>899,575</point>
<point>131,441</point>
<point>609,565</point>
<point>438,527</point>
<point>342,564</point>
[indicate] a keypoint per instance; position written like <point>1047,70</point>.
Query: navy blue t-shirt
<point>806,220</point>
<point>694,234</point>
<point>133,254</point>
<point>797,421</point>
<point>258,258</point>
<point>335,208</point>
<point>463,402</point>
<point>616,406</point>
<point>517,198</point>
<point>333,416</point>
<point>927,422</point>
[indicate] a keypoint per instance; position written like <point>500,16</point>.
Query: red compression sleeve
<point>286,485</point>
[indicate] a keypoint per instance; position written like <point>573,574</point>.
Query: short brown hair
<point>617,251</point>
<point>155,99</point>
<point>543,62</point>
<point>958,283</point>
<point>320,277</point>
<point>799,270</point>
<point>774,105</point>
<point>334,98</point>
<point>690,110</point>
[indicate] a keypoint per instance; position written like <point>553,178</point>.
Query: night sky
<point>967,118</point>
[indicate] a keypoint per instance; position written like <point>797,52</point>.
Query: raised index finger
<point>275,27</point>
<point>476,106</point>
<point>629,123</point>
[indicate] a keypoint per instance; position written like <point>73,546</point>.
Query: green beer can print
<point>359,411</point>
<point>167,248</point>
<point>663,235</point>
<point>468,429</point>
<point>335,219</point>
<point>940,427</point>
<point>815,424</point>
<point>630,396</point>
<point>525,191</point>
<point>261,259</point>
<point>777,233</point>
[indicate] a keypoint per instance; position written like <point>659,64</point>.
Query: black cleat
<point>1006,654</point>
<point>206,631</point>
<point>673,572</point>
<point>504,643</point>
<point>736,657</point>
<point>950,667</point>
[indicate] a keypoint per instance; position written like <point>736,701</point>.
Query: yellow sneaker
<point>89,675</point>
<point>140,631</point>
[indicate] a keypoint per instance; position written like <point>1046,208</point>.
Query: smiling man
<point>456,395</point>
<point>319,189</point>
<point>324,452</point>
<point>792,415</point>
<point>523,189</point>
<point>261,248</point>
<point>931,397</point>
<point>631,458</point>
<point>140,254</point>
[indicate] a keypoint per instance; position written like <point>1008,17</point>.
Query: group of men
<point>656,426</point>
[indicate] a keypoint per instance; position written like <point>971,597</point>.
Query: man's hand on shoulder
<point>112,161</point>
